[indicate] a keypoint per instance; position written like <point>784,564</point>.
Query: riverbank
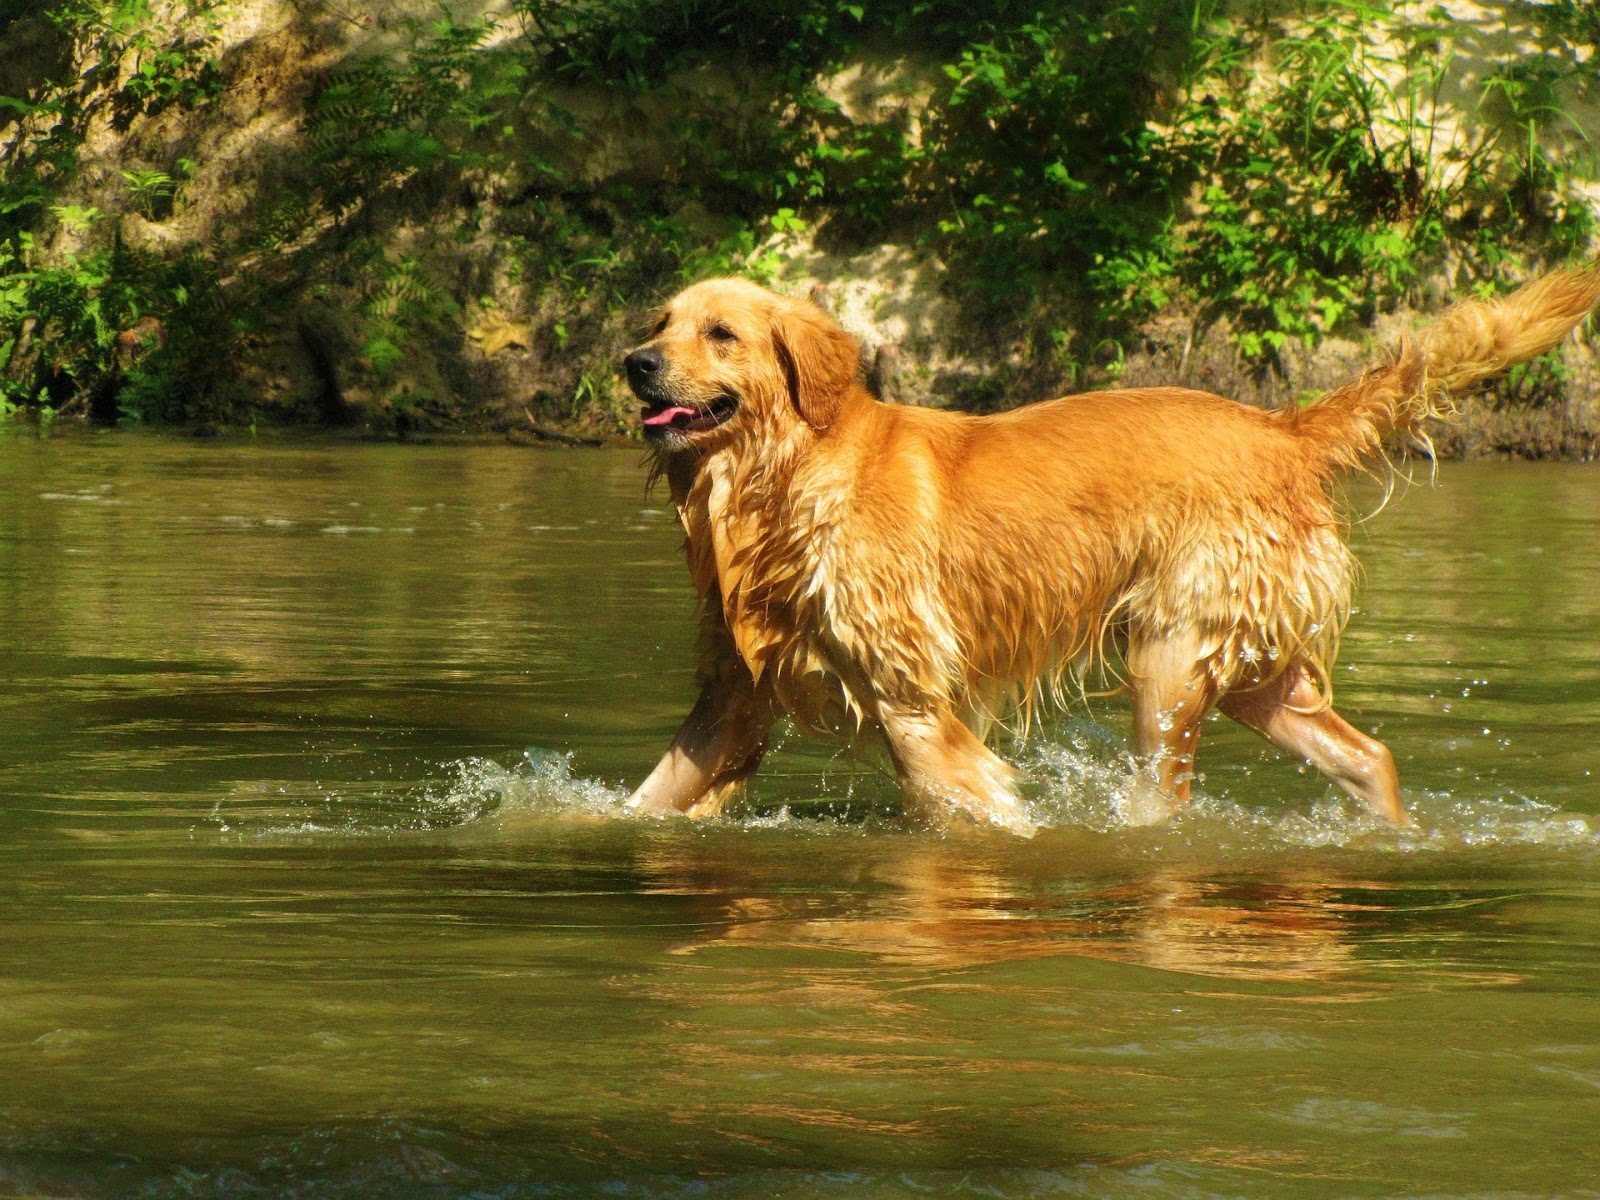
<point>437,218</point>
<point>1482,432</point>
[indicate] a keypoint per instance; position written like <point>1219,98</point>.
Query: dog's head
<point>728,360</point>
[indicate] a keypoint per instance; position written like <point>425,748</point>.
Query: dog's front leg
<point>718,747</point>
<point>941,764</point>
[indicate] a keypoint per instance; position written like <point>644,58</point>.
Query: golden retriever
<point>913,575</point>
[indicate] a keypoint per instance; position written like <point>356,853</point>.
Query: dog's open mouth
<point>687,418</point>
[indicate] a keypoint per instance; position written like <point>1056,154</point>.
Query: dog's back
<point>1142,511</point>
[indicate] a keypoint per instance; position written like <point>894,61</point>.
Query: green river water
<point>314,883</point>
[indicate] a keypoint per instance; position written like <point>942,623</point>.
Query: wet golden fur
<point>914,575</point>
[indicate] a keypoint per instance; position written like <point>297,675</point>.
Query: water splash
<point>542,785</point>
<point>472,791</point>
<point>1087,783</point>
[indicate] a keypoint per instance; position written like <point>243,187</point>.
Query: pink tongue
<point>665,416</point>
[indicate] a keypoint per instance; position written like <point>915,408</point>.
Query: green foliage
<point>458,124</point>
<point>400,300</point>
<point>1569,24</point>
<point>1082,166</point>
<point>89,324</point>
<point>442,106</point>
<point>1332,188</point>
<point>134,57</point>
<point>1537,383</point>
<point>149,190</point>
<point>1291,167</point>
<point>1057,183</point>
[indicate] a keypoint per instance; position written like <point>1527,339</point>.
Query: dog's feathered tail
<point>1471,342</point>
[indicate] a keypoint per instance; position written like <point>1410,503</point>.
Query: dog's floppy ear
<point>819,360</point>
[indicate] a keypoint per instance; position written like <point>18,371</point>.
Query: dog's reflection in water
<point>946,904</point>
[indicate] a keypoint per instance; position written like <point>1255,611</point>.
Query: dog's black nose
<point>644,364</point>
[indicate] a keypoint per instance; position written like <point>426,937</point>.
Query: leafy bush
<point>1334,187</point>
<point>1080,167</point>
<point>82,316</point>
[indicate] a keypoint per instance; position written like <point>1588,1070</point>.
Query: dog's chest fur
<point>776,569</point>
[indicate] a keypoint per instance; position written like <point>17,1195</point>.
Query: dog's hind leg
<point>1291,713</point>
<point>717,748</point>
<point>1172,690</point>
<point>940,764</point>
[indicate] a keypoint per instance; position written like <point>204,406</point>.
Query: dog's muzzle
<point>662,414</point>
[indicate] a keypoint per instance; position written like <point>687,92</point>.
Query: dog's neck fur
<point>755,526</point>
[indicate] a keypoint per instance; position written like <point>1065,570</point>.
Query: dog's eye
<point>660,325</point>
<point>721,333</point>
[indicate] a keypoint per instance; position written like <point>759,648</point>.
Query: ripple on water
<point>1364,1117</point>
<point>402,1159</point>
<point>473,791</point>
